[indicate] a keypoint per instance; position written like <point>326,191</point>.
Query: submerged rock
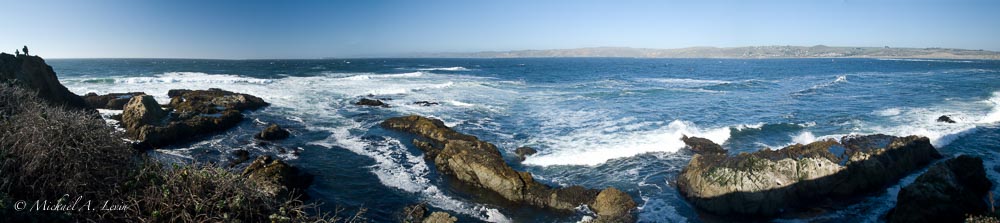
<point>945,119</point>
<point>767,182</point>
<point>523,152</point>
<point>413,213</point>
<point>371,102</point>
<point>702,145</point>
<point>31,72</point>
<point>239,156</point>
<point>273,132</point>
<point>947,192</point>
<point>277,177</point>
<point>425,103</point>
<point>479,163</point>
<point>114,101</point>
<point>193,113</point>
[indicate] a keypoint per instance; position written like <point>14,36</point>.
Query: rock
<point>273,132</point>
<point>440,217</point>
<point>523,152</point>
<point>239,156</point>
<point>945,119</point>
<point>31,72</point>
<point>702,145</point>
<point>479,164</point>
<point>947,192</point>
<point>371,102</point>
<point>612,203</point>
<point>425,103</point>
<point>140,112</point>
<point>114,101</point>
<point>276,177</point>
<point>768,182</point>
<point>194,113</point>
<point>413,213</point>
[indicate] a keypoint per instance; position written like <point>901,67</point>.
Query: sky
<point>250,29</point>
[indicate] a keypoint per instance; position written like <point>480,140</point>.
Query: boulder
<point>769,182</point>
<point>612,203</point>
<point>239,156</point>
<point>31,72</point>
<point>425,103</point>
<point>140,112</point>
<point>277,177</point>
<point>947,192</point>
<point>273,132</point>
<point>193,113</point>
<point>523,152</point>
<point>440,217</point>
<point>115,101</point>
<point>945,119</point>
<point>479,164</point>
<point>702,145</point>
<point>371,102</point>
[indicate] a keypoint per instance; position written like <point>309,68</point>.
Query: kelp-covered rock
<point>31,72</point>
<point>273,132</point>
<point>277,177</point>
<point>192,113</point>
<point>480,164</point>
<point>947,192</point>
<point>767,182</point>
<point>114,101</point>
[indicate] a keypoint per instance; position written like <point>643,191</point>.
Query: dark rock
<point>194,113</point>
<point>768,182</point>
<point>479,164</point>
<point>371,102</point>
<point>702,145</point>
<point>945,119</point>
<point>239,156</point>
<point>31,72</point>
<point>523,152</point>
<point>273,132</point>
<point>426,103</point>
<point>947,192</point>
<point>277,177</point>
<point>414,213</point>
<point>114,101</point>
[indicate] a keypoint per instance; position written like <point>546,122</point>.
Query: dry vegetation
<point>48,152</point>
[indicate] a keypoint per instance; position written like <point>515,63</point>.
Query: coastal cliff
<point>31,72</point>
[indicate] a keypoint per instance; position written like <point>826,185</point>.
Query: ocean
<point>596,122</point>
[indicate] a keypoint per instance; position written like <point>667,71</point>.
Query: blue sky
<point>314,29</point>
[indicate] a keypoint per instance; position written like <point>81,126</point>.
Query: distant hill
<point>819,51</point>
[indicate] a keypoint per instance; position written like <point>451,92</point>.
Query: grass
<point>49,152</point>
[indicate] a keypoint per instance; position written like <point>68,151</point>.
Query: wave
<point>815,88</point>
<point>188,77</point>
<point>994,115</point>
<point>684,82</point>
<point>445,69</point>
<point>596,146</point>
<point>379,76</point>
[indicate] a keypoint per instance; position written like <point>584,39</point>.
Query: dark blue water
<point>596,122</point>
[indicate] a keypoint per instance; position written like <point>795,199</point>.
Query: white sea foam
<point>805,137</point>
<point>446,68</point>
<point>685,82</point>
<point>191,77</point>
<point>994,115</point>
<point>814,88</point>
<point>592,147</point>
<point>888,112</point>
<point>382,76</point>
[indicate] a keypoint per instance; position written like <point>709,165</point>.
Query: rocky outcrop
<point>371,102</point>
<point>276,177</point>
<point>524,152</point>
<point>425,103</point>
<point>115,101</point>
<point>768,182</point>
<point>440,217</point>
<point>702,145</point>
<point>31,72</point>
<point>273,132</point>
<point>413,213</point>
<point>945,119</point>
<point>238,156</point>
<point>947,192</point>
<point>613,205</point>
<point>191,113</point>
<point>479,163</point>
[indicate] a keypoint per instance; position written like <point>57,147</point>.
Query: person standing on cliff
<point>17,52</point>
<point>25,50</point>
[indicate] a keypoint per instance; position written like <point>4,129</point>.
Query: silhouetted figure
<point>25,50</point>
<point>17,52</point>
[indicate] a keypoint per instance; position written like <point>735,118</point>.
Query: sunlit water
<point>595,122</point>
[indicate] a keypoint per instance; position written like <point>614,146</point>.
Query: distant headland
<point>750,52</point>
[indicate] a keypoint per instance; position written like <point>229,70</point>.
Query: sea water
<point>596,122</point>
